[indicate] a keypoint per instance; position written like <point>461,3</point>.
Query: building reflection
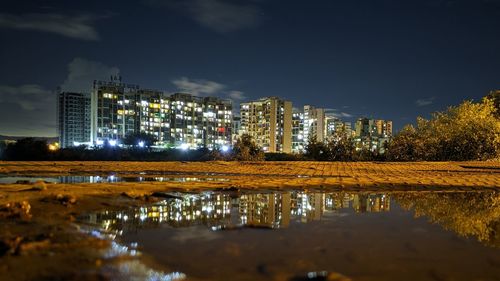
<point>229,211</point>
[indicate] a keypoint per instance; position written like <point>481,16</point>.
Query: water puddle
<point>301,235</point>
<point>104,179</point>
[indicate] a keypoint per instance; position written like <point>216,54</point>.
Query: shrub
<point>470,131</point>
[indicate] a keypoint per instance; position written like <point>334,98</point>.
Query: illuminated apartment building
<point>154,114</point>
<point>384,128</point>
<point>269,122</point>
<point>314,123</point>
<point>198,122</point>
<point>336,126</point>
<point>297,131</point>
<point>114,111</point>
<point>218,122</point>
<point>372,134</point>
<point>73,116</point>
<point>179,120</point>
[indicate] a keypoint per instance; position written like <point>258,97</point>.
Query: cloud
<point>203,87</point>
<point>337,113</point>
<point>28,97</point>
<point>237,95</point>
<point>425,101</point>
<point>27,110</point>
<point>82,73</point>
<point>198,87</point>
<point>218,15</point>
<point>77,27</point>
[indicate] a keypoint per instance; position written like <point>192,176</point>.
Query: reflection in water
<point>468,214</point>
<point>130,268</point>
<point>366,236</point>
<point>223,210</point>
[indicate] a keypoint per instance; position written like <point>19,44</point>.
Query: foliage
<point>245,149</point>
<point>495,97</point>
<point>27,149</point>
<point>316,150</point>
<point>134,139</point>
<point>469,131</point>
<point>340,147</point>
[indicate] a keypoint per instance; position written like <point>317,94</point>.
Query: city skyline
<point>378,59</point>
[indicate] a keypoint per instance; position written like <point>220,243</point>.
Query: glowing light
<point>112,142</point>
<point>225,148</point>
<point>141,144</point>
<point>99,142</point>
<point>52,147</point>
<point>184,146</point>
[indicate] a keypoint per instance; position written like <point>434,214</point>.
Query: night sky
<point>389,59</point>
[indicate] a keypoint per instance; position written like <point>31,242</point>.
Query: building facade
<point>372,134</point>
<point>178,120</point>
<point>73,118</point>
<point>269,122</point>
<point>314,123</point>
<point>298,144</point>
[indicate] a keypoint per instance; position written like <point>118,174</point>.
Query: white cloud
<point>236,95</point>
<point>77,27</point>
<point>203,87</point>
<point>337,113</point>
<point>82,73</point>
<point>425,101</point>
<point>219,15</point>
<point>198,87</point>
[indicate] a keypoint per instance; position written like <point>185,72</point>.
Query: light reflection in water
<point>224,210</point>
<point>130,269</point>
<point>335,238</point>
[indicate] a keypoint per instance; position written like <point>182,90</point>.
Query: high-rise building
<point>179,120</point>
<point>153,114</point>
<point>365,127</point>
<point>372,134</point>
<point>115,110</point>
<point>73,112</point>
<point>314,123</point>
<point>269,122</point>
<point>384,128</point>
<point>236,128</point>
<point>335,126</point>
<point>297,131</point>
<point>217,122</point>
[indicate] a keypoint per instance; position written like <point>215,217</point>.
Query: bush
<point>470,131</point>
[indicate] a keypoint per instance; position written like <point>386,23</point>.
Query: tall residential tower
<point>269,122</point>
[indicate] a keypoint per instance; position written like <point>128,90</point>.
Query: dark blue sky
<point>388,59</point>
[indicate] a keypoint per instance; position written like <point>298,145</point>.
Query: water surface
<point>296,234</point>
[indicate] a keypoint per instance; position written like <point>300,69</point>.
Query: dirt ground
<point>37,220</point>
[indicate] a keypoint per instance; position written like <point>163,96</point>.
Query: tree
<point>245,149</point>
<point>340,146</point>
<point>316,150</point>
<point>469,131</point>
<point>495,97</point>
<point>140,140</point>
